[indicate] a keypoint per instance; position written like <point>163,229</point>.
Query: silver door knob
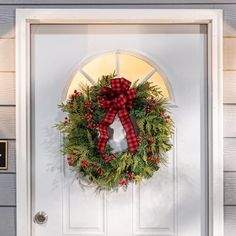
<point>41,218</point>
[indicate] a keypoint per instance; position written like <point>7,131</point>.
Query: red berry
<point>139,138</point>
<point>150,140</point>
<point>89,116</point>
<point>90,125</point>
<point>70,163</point>
<point>154,103</point>
<point>149,150</point>
<point>130,176</point>
<point>84,162</point>
<point>148,109</point>
<point>123,182</point>
<point>88,104</point>
<point>106,158</point>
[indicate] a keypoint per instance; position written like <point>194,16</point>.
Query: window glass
<point>100,65</point>
<point>125,65</point>
<point>133,68</point>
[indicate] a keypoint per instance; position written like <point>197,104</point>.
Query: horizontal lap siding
<point>229,92</point>
<point>7,120</point>
<point>7,102</point>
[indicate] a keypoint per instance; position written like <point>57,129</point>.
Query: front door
<point>174,201</point>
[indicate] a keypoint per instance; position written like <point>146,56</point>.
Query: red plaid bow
<point>116,100</point>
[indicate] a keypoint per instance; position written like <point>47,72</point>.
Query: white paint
<point>112,207</point>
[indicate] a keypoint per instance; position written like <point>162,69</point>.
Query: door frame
<point>212,18</point>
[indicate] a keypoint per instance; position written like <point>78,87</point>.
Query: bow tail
<point>108,120</point>
<point>129,130</point>
<point>101,145</point>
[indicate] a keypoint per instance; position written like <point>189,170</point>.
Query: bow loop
<point>125,84</point>
<point>105,90</point>
<point>131,94</point>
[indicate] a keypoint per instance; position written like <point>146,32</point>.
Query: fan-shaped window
<point>130,66</point>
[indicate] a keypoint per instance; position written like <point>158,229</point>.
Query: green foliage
<point>81,135</point>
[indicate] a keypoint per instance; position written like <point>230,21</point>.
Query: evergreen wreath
<point>91,111</point>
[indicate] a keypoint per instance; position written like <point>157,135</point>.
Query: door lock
<point>41,218</point>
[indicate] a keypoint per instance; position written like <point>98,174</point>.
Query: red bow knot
<point>117,100</point>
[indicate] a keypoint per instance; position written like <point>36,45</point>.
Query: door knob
<point>41,218</point>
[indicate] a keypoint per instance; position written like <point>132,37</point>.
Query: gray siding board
<point>230,154</point>
<point>229,13</point>
<point>229,51</point>
<point>114,2</point>
<point>7,123</point>
<point>230,188</point>
<point>7,190</point>
<point>11,158</point>
<point>7,21</point>
<point>8,221</point>
<point>229,120</point>
<point>230,220</point>
<point>7,55</point>
<point>7,89</point>
<point>229,87</point>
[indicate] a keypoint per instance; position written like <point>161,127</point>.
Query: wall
<point>7,95</point>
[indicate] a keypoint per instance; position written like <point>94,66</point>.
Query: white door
<point>174,201</point>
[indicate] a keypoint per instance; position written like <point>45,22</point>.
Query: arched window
<point>125,64</point>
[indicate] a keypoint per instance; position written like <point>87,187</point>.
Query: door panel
<point>174,201</point>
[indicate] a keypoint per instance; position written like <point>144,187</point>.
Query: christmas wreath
<point>143,113</point>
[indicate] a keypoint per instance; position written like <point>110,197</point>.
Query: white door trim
<point>26,17</point>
